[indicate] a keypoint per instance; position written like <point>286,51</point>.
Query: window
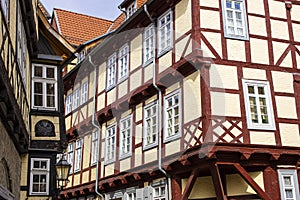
<point>234,19</point>
<point>258,105</point>
<point>160,190</point>
<point>129,196</point>
<point>69,103</point>
<point>70,155</point>
<point>5,8</point>
<point>78,155</point>
<point>165,32</point>
<point>110,144</point>
<point>39,176</point>
<point>44,87</point>
<point>123,62</point>
<point>130,10</point>
<point>125,137</point>
<point>288,183</point>
<point>150,125</point>
<point>148,52</point>
<point>21,46</point>
<point>84,92</point>
<point>95,148</point>
<point>80,56</point>
<point>111,72</point>
<point>172,116</point>
<point>76,98</point>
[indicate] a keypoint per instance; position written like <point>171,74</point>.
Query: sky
<point>107,9</point>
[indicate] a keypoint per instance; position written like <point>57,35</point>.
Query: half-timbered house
<point>189,99</point>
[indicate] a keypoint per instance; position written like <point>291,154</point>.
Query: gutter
<point>159,110</point>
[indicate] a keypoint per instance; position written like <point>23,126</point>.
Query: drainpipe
<point>159,110</point>
<point>97,127</point>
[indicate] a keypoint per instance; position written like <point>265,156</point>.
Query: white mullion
<point>257,104</point>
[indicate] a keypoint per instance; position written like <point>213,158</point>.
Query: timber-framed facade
<point>189,99</point>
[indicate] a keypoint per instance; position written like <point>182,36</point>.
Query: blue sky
<point>107,9</point>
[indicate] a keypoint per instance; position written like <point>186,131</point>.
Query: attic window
<point>130,9</point>
<point>80,56</point>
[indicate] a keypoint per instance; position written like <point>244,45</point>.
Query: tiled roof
<point>118,22</point>
<point>78,28</point>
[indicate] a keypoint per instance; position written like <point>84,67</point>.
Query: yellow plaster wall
<point>172,147</point>
<point>209,3</point>
<point>93,173</point>
<point>279,29</point>
<point>109,169</point>
<point>148,72</point>
<point>87,151</point>
<point>111,96</point>
<point>183,19</point>
<point>135,80</point>
<point>126,113</point>
<point>150,155</point>
<point>296,30</point>
<point>236,50</point>
<point>151,99</point>
<point>215,40</point>
<point>91,84</point>
<point>165,61</point>
<point>286,107</point>
<point>283,82</point>
<point>136,52</point>
<point>139,112</point>
<point>277,9</point>
<point>172,88</point>
<point>83,111</point>
<point>210,19</point>
<point>203,188</point>
<point>125,164</point>
<point>85,177</point>
<point>138,156</point>
<point>262,55</point>
<point>255,6</point>
<point>222,76</point>
<point>101,101</point>
<point>76,179</point>
<point>257,25</point>
<point>138,133</point>
<point>54,120</point>
<point>69,184</point>
<point>24,169</point>
<point>256,74</point>
<point>278,49</point>
<point>68,122</point>
<point>192,97</point>
<point>295,12</point>
<point>236,185</point>
<point>289,134</point>
<point>260,137</point>
<point>91,109</point>
<point>123,88</point>
<point>225,104</point>
<point>102,77</point>
<point>180,47</point>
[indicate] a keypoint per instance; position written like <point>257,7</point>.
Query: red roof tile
<point>118,22</point>
<point>78,28</point>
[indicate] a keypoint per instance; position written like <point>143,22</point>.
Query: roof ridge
<point>82,14</point>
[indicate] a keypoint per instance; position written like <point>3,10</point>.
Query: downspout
<point>123,11</point>
<point>97,127</point>
<point>159,109</point>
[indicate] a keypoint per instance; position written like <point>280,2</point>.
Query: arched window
<point>44,128</point>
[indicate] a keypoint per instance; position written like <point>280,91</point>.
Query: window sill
<point>237,37</point>
<point>163,52</point>
<point>148,62</point>
<point>149,146</point>
<point>108,162</point>
<point>172,138</point>
<point>124,156</point>
<point>110,88</point>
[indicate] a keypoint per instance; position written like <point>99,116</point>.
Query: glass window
<point>70,155</point>
<point>130,10</point>
<point>123,62</point>
<point>125,137</point>
<point>110,144</point>
<point>258,105</point>
<point>288,182</point>
<point>76,98</point>
<point>165,32</point>
<point>78,155</point>
<point>234,18</point>
<point>44,95</point>
<point>84,92</point>
<point>111,72</point>
<point>95,147</point>
<point>148,50</point>
<point>69,103</point>
<point>172,106</point>
<point>150,125</point>
<point>39,176</point>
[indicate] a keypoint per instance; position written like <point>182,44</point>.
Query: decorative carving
<point>44,128</point>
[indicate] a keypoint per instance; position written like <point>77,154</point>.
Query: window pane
<point>289,193</point>
<point>38,100</point>
<point>237,6</point>
<point>287,180</point>
<point>228,4</point>
<point>38,72</point>
<point>50,88</point>
<point>261,90</point>
<point>251,89</point>
<point>50,73</point>
<point>50,101</point>
<point>38,88</point>
<point>36,164</point>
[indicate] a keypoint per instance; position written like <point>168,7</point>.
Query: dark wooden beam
<point>189,186</point>
<point>251,182</point>
<point>215,173</point>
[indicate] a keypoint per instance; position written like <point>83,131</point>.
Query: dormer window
<point>80,56</point>
<point>130,9</point>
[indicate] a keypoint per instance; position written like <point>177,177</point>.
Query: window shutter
<point>148,193</point>
<point>139,194</point>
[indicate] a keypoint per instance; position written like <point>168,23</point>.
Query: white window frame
<point>44,81</point>
<point>84,92</point>
<point>148,46</point>
<point>111,67</point>
<point>123,63</point>
<point>157,190</point>
<point>269,105</point>
<point>39,171</point>
<point>174,136</point>
<point>80,56</point>
<point>110,144</point>
<point>235,35</point>
<point>294,183</point>
<point>69,103</point>
<point>94,148</point>
<point>70,155</point>
<point>165,34</point>
<point>146,135</point>
<point>78,155</point>
<point>76,98</point>
<point>130,10</point>
<point>125,142</point>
